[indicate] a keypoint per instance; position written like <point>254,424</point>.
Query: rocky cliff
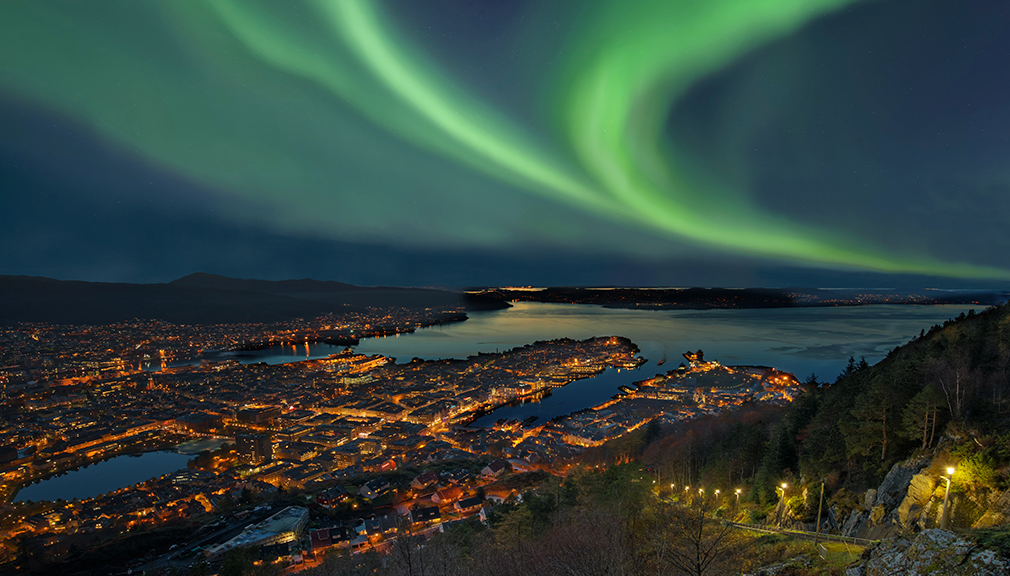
<point>932,552</point>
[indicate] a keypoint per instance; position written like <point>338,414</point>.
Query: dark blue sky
<point>883,125</point>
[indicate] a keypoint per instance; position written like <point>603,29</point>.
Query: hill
<point>203,299</point>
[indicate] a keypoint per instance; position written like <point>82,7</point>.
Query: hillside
<point>204,299</point>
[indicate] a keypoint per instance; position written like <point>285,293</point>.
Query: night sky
<point>452,142</point>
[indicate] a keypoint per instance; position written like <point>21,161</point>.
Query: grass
<point>773,549</point>
<point>840,553</point>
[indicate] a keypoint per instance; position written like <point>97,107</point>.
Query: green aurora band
<point>622,69</point>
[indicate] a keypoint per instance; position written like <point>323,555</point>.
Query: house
<point>380,524</point>
<point>424,480</point>
<point>430,514</point>
<point>333,496</point>
<point>374,488</point>
<point>495,469</point>
<point>326,537</point>
<point>468,505</point>
<point>447,495</point>
<point>457,476</point>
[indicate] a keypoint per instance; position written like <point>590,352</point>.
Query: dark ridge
<point>205,299</point>
<point>33,299</point>
<point>341,295</point>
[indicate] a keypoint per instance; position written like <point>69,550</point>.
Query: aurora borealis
<point>734,141</point>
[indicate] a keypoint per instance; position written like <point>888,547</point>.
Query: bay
<point>803,341</point>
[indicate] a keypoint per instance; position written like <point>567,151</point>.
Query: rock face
<point>910,512</point>
<point>998,514</point>
<point>886,512</point>
<point>933,552</point>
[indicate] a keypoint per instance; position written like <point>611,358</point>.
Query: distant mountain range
<point>206,299</point>
<point>211,299</point>
<point>708,298</point>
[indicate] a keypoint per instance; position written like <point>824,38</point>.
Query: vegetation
<point>948,383</point>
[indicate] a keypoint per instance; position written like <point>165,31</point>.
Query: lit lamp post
<point>737,496</point>
<point>946,499</point>
<point>782,504</point>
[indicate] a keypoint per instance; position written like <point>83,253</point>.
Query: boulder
<point>870,498</point>
<point>895,485</point>
<point>920,491</point>
<point>933,552</point>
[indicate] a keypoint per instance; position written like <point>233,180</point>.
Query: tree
<point>955,377</point>
<point>876,413</point>
<point>921,414</point>
<point>652,432</point>
<point>239,561</point>
<point>689,540</point>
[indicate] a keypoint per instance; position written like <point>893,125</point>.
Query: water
<point>798,340</point>
<point>570,398</point>
<point>103,477</point>
<point>803,341</point>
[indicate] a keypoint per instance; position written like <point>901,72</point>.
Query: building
<point>447,495</point>
<point>495,469</point>
<point>429,514</point>
<point>468,505</point>
<point>257,416</point>
<point>424,480</point>
<point>284,526</point>
<point>374,488</point>
<point>197,423</point>
<point>333,496</point>
<point>255,448</point>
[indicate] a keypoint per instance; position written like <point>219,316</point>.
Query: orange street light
<point>946,498</point>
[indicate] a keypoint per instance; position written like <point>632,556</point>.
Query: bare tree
<point>956,379</point>
<point>689,540</point>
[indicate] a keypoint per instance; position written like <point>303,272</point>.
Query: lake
<point>102,477</point>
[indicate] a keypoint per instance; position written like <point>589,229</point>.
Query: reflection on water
<point>569,398</point>
<point>803,341</point>
<point>797,340</point>
<point>102,477</point>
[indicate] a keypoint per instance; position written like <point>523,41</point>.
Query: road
<point>801,534</point>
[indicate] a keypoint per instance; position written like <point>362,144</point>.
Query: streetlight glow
<point>946,498</point>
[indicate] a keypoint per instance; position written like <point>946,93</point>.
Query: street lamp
<point>737,496</point>
<point>946,498</point>
<point>782,503</point>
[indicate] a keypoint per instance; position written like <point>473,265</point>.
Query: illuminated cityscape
<point>84,394</point>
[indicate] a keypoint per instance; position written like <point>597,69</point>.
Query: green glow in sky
<point>262,100</point>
